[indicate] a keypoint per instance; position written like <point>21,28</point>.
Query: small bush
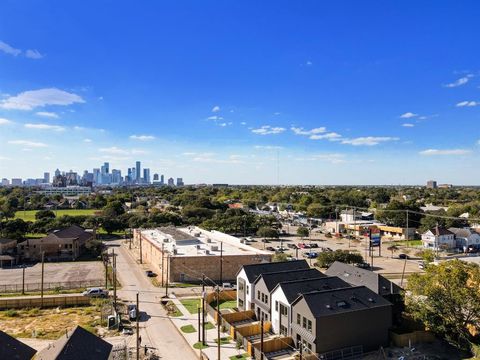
<point>11,313</point>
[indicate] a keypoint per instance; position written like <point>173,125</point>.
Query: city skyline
<point>295,95</point>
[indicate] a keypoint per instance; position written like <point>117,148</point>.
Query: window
<point>309,325</point>
<point>298,319</point>
<point>240,302</point>
<point>247,289</point>
<point>276,305</point>
<point>283,310</point>
<point>304,322</point>
<point>240,285</point>
<point>266,299</point>
<point>283,330</point>
<point>263,297</point>
<point>258,294</point>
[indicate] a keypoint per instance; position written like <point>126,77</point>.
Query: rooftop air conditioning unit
<point>174,251</point>
<point>214,247</point>
<point>209,240</point>
<point>207,252</point>
<point>197,234</point>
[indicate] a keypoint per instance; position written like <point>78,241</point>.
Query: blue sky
<point>344,92</point>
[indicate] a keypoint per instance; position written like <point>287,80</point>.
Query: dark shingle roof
<point>79,345</point>
<point>292,289</point>
<point>12,349</point>
<point>439,231</point>
<point>361,277</point>
<point>331,302</point>
<point>272,279</point>
<point>4,241</point>
<point>254,270</point>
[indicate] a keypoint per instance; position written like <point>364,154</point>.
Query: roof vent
<point>328,306</point>
<point>371,300</point>
<point>341,304</point>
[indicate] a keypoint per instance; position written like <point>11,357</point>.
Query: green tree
<point>325,259</point>
<point>44,214</point>
<point>393,248</point>
<point>267,232</point>
<point>280,257</point>
<point>447,300</point>
<point>302,231</point>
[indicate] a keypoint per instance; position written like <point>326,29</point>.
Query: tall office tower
<point>46,177</point>
<point>116,176</point>
<point>180,182</point>
<point>138,173</point>
<point>431,184</point>
<point>162,180</point>
<point>17,181</point>
<point>105,168</point>
<point>97,179</point>
<point>146,176</point>
<point>134,174</point>
<point>129,174</point>
<point>5,182</point>
<point>171,182</point>
<point>57,172</point>
<point>155,177</point>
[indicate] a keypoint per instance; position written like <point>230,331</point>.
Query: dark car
<point>270,248</point>
<point>292,246</point>
<point>314,246</point>
<point>403,256</point>
<point>363,265</point>
<point>310,255</point>
<point>150,273</point>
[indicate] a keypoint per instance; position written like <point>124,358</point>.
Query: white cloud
<point>268,130</point>
<point>45,127</point>
<point>332,136</point>
<point>7,49</point>
<point>309,63</point>
<point>333,158</point>
<point>434,152</point>
<point>215,118</point>
<point>87,140</point>
<point>408,125</point>
<point>216,108</point>
<point>468,103</point>
<point>33,54</point>
<point>142,137</point>
<point>47,114</point>
<point>114,150</point>
<point>27,143</point>
<point>4,121</point>
<point>268,147</point>
<point>368,140</point>
<point>301,131</point>
<point>459,82</point>
<point>243,123</point>
<point>408,115</point>
<point>31,99</point>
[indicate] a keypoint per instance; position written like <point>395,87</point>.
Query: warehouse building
<point>187,254</point>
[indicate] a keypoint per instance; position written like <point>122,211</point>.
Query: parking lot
<point>85,271</point>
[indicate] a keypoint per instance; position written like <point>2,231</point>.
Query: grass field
<point>191,305</point>
<point>224,304</point>
<point>240,357</point>
<point>29,215</point>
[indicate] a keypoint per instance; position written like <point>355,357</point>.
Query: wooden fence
<point>411,338</point>
<point>48,301</point>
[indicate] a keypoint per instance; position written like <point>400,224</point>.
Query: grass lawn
<point>209,326</point>
<point>188,329</point>
<point>191,305</point>
<point>224,304</point>
<point>49,323</point>
<point>242,356</point>
<point>199,346</point>
<point>408,243</point>
<point>223,340</point>
<point>29,215</point>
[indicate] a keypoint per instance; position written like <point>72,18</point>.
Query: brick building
<point>186,254</point>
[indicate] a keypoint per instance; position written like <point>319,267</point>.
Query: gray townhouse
<point>353,317</point>
<point>265,283</point>
<point>286,292</point>
<point>249,273</point>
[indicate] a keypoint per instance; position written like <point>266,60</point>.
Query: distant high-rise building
<point>146,176</point>
<point>180,182</point>
<point>431,184</point>
<point>57,172</point>
<point>46,177</point>
<point>162,180</point>
<point>97,179</point>
<point>138,173</point>
<point>105,169</point>
<point>116,176</point>
<point>72,178</point>
<point>16,182</point>
<point>155,177</point>
<point>171,182</point>
<point>5,182</point>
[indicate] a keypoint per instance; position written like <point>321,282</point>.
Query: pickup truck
<point>95,292</point>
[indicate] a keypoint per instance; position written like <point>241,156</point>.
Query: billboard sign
<point>375,237</point>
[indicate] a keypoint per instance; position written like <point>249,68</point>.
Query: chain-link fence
<point>48,286</point>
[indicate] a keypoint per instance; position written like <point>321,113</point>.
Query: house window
<point>258,294</point>
<point>283,330</point>
<point>266,299</point>
<point>298,319</point>
<point>247,289</point>
<point>240,302</point>
<point>276,305</point>
<point>240,285</point>
<point>309,325</point>
<point>304,322</point>
<point>283,310</point>
<point>263,297</point>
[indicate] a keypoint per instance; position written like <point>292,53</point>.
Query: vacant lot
<point>49,323</point>
<point>82,271</point>
<point>29,215</point>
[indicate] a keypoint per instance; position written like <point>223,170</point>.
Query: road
<point>157,331</point>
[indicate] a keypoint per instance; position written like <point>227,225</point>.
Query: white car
<point>229,286</point>
<point>95,292</point>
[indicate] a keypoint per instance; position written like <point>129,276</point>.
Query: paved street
<point>157,330</point>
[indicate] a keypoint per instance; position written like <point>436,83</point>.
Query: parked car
<point>292,246</point>
<point>270,248</point>
<point>313,246</point>
<point>403,256</point>
<point>363,265</point>
<point>310,255</point>
<point>150,273</point>
<point>421,265</point>
<point>95,292</point>
<point>127,331</point>
<point>132,311</point>
<point>229,286</point>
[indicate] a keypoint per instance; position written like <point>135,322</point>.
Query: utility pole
<point>199,324</point>
<point>219,321</point>
<point>140,237</point>
<point>221,263</point>
<point>23,279</point>
<point>203,309</point>
<point>114,276</point>
<point>168,278</point>
<point>408,232</point>
<point>301,351</point>
<point>105,263</point>
<point>43,272</point>
<point>163,246</point>
<point>138,329</point>
<point>261,339</point>
<point>403,272</point>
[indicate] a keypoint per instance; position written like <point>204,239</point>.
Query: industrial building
<point>188,254</point>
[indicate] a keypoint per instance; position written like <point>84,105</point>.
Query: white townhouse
<point>438,238</point>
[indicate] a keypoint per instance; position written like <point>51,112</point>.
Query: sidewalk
<point>226,350</point>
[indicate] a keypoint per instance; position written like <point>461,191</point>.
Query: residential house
<point>324,321</point>
<point>465,238</point>
<point>7,246</point>
<point>78,344</point>
<point>249,273</point>
<point>66,244</point>
<point>266,282</point>
<point>438,238</point>
<point>12,349</point>
<point>286,292</point>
